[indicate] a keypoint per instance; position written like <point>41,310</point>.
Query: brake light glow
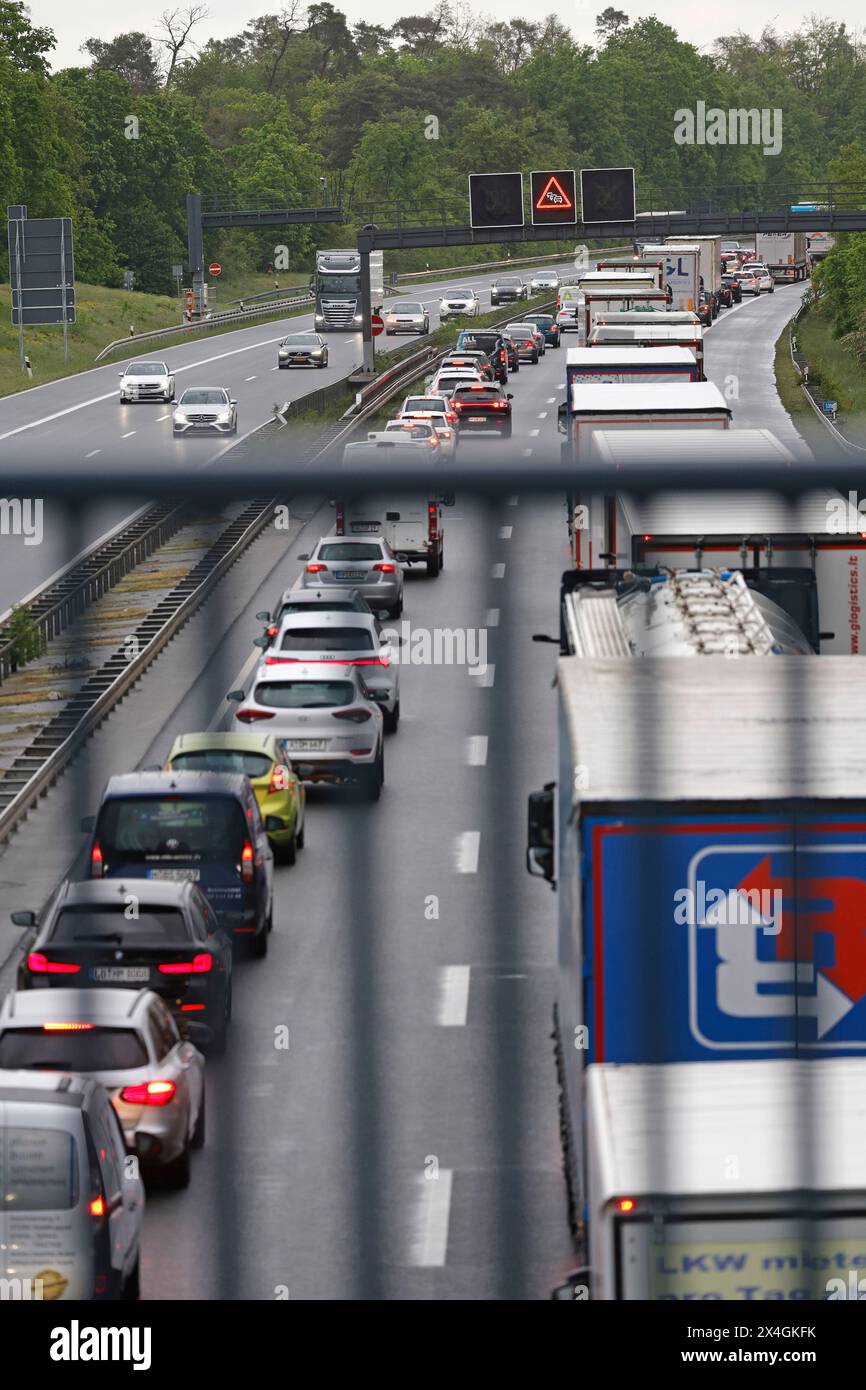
<point>247,864</point>
<point>273,630</point>
<point>385,567</point>
<point>316,568</point>
<point>341,522</point>
<point>39,964</point>
<point>149,1093</point>
<point>354,716</point>
<point>249,716</point>
<point>97,1206</point>
<point>626,1204</point>
<point>67,1027</point>
<point>97,864</point>
<point>199,965</point>
<point>279,777</point>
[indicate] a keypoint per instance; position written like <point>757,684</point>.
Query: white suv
<point>761,274</point>
<point>146,381</point>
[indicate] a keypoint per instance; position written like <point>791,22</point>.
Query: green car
<point>262,757</point>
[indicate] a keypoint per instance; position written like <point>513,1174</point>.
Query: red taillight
<point>247,863</point>
<point>192,1008</point>
<point>502,354</point>
<point>355,716</point>
<point>272,630</point>
<point>149,1093</point>
<point>67,1027</point>
<point>279,779</point>
<point>626,1204</point>
<point>97,1206</point>
<point>316,568</point>
<point>97,863</point>
<point>341,523</point>
<point>432,520</point>
<point>385,567</point>
<point>199,965</point>
<point>41,965</point>
<point>249,716</point>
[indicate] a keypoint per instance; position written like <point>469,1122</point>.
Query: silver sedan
<point>406,316</point>
<point>204,408</point>
<point>130,1043</point>
<point>368,565</point>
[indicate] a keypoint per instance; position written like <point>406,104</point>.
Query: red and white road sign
<point>377,323</point>
<point>214,269</point>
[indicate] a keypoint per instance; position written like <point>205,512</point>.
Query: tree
<point>24,46</point>
<point>610,22</point>
<point>177,25</point>
<point>131,56</point>
<point>327,28</point>
<point>370,39</point>
<point>420,34</point>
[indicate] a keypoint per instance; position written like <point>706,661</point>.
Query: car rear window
<point>180,825</point>
<point>485,341</point>
<point>222,760</point>
<point>94,1048</point>
<point>304,694</point>
<point>327,606</point>
<point>76,924</point>
<point>349,552</point>
<point>327,639</point>
<point>482,395</point>
<point>414,403</point>
<point>38,1169</point>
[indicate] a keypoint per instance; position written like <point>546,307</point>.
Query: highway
<point>406,1144</point>
<point>77,421</point>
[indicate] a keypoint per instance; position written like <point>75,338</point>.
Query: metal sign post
<point>17,225</point>
<point>42,272</point>
<point>366,314</point>
<point>63,291</point>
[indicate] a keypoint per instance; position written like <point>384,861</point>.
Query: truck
<point>710,867</point>
<point>337,289</point>
<point>809,554</point>
<point>785,254</point>
<point>620,366</point>
<point>635,265</point>
<point>615,298</point>
<point>649,331</point>
<point>691,405</point>
<point>681,271</point>
<point>710,260</point>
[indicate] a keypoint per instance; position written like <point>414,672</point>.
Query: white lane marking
<point>467,849</point>
<point>498,571</point>
<point>239,683</point>
<point>483,675</point>
<point>505,533</point>
<point>532,433</point>
<point>527,452</point>
<point>430,1241</point>
<point>453,996</point>
<point>93,453</point>
<point>560,385</point>
<point>275,369</point>
<point>491,617</point>
<point>476,750</point>
<point>550,400</point>
<point>128,435</point>
<point>164,417</point>
<point>542,415</point>
<point>249,378</point>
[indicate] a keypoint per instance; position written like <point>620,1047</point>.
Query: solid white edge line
<point>476,750</point>
<point>467,849</point>
<point>430,1243</point>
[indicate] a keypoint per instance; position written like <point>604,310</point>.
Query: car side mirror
<point>236,696</point>
<point>304,770</point>
<point>264,616</point>
<point>302,557</point>
<point>509,396</point>
<point>121,373</point>
<point>447,499</point>
<point>23,919</point>
<point>382,614</point>
<point>232,402</point>
<point>540,834</point>
<point>87,824</point>
<point>262,642</point>
<point>273,824</point>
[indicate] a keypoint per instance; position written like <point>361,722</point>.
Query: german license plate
<point>120,974</point>
<point>351,574</point>
<point>299,359</point>
<point>307,745</point>
<point>175,875</point>
<point>477,419</point>
<point>365,526</point>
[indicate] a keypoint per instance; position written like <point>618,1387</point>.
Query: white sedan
<point>459,303</point>
<point>205,408</point>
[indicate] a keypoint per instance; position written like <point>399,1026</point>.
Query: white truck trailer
<point>785,254</point>
<point>682,273</point>
<point>709,260</point>
<point>691,405</point>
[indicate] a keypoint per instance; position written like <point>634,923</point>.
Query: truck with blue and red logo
<point>706,834</point>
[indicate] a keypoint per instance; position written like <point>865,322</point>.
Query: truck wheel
<point>198,1134</point>
<point>433,565</point>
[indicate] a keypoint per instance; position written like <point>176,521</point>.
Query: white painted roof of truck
<point>595,277</point>
<point>734,514</point>
<point>634,448</point>
<point>717,730</point>
<point>654,398</point>
<point>597,358</point>
<point>671,1129</point>
<point>670,316</point>
<point>649,331</point>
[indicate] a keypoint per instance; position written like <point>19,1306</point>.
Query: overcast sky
<point>699,24</point>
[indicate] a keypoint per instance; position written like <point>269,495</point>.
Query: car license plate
<point>477,419</point>
<point>366,525</point>
<point>307,745</point>
<point>351,574</point>
<point>175,875</point>
<point>299,359</point>
<point>120,974</point>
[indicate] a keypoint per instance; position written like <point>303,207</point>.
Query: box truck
<point>607,300</point>
<point>634,265</point>
<point>649,331</point>
<point>785,254</point>
<point>709,262</point>
<point>681,271</point>
<point>692,405</point>
<point>706,832</point>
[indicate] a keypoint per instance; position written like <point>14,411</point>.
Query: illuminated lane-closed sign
<point>607,195</point>
<point>553,197</point>
<point>496,200</point>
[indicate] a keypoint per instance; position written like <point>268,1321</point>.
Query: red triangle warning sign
<point>553,195</point>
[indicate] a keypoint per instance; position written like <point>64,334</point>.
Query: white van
<point>410,522</point>
<point>70,1211</point>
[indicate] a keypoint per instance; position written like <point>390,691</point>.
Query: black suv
<point>483,406</point>
<point>135,935</point>
<point>190,827</point>
<point>489,341</point>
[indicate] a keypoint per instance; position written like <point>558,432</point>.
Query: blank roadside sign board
<point>607,195</point>
<point>41,269</point>
<point>496,200</point>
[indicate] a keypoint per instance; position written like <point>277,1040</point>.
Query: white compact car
<point>762,275</point>
<point>459,303</point>
<point>341,639</point>
<point>332,727</point>
<point>146,381</point>
<point>202,409</point>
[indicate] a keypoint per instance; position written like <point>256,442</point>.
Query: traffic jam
<point>126,980</point>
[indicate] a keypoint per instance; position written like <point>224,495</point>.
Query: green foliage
<point>22,630</point>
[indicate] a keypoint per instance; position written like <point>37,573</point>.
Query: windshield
<point>209,827</point>
<point>304,694</point>
<point>90,1048</point>
<point>303,340</point>
<point>147,369</point>
<point>457,294</point>
<point>197,396</point>
<point>340,284</point>
<point>484,394</point>
<point>38,1170</point>
<point>403,306</point>
<point>223,760</point>
<point>328,606</point>
<point>508,282</point>
<point>327,639</point>
<point>347,551</point>
<point>96,923</point>
<point>415,403</point>
<point>541,320</point>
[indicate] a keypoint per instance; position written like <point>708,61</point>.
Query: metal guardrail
<point>217,321</point>
<point>449,272</point>
<point>802,367</point>
<point>54,747</point>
